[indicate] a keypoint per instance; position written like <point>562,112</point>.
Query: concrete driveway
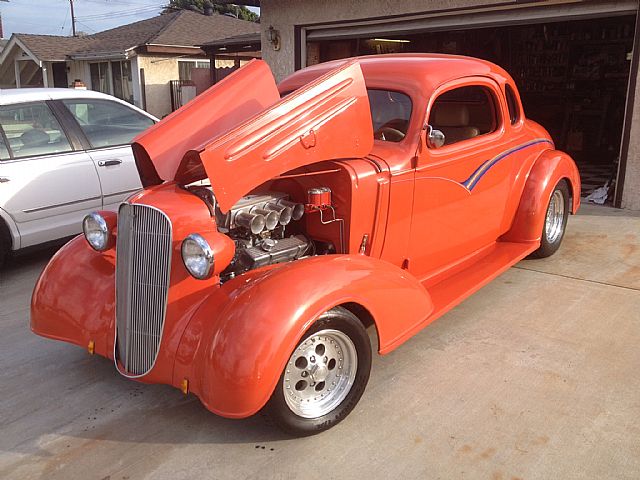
<point>535,376</point>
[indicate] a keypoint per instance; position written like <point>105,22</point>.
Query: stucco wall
<point>631,192</point>
<point>158,71</point>
<point>283,16</point>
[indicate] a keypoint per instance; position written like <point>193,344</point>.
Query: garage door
<point>470,18</point>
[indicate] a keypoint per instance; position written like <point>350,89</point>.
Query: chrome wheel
<point>320,373</point>
<point>554,221</point>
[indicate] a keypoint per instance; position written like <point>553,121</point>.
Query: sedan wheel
<point>325,375</point>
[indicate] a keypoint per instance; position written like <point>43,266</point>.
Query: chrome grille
<point>143,264</point>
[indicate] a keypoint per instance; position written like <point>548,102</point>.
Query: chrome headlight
<point>96,231</point>
<point>197,256</point>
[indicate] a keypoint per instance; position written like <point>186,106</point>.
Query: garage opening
<point>572,76</point>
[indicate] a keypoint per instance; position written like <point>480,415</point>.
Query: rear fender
<point>239,340</point>
<point>550,167</point>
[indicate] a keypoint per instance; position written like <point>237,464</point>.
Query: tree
<point>241,12</point>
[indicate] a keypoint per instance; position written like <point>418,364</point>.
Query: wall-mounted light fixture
<point>273,36</point>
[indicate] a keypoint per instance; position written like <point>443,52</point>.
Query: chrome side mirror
<point>435,138</point>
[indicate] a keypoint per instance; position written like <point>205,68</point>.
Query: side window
<point>512,104</point>
<point>464,113</point>
<point>31,129</point>
<point>4,149</point>
<point>106,123</point>
<point>390,112</point>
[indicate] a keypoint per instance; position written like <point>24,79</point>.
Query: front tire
<point>325,376</point>
<point>555,221</point>
<point>5,245</point>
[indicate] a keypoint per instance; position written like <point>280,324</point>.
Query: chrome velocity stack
<point>143,265</point>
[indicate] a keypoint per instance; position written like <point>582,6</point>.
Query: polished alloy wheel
<point>320,373</point>
<point>554,221</point>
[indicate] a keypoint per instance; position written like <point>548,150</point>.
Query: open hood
<point>159,150</point>
<point>261,137</point>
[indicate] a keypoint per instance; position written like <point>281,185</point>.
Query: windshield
<point>390,112</point>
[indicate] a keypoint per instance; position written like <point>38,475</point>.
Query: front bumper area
<point>74,301</point>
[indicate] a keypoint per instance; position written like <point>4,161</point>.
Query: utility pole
<point>73,19</point>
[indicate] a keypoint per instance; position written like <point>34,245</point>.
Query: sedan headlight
<point>197,256</point>
<point>96,232</point>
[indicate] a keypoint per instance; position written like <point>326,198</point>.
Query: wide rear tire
<point>555,222</point>
<point>325,376</point>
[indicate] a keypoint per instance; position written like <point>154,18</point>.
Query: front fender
<point>550,167</point>
<point>239,340</point>
<point>74,297</point>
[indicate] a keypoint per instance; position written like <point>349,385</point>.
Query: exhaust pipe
<point>297,209</point>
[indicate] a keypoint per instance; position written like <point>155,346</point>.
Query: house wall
<point>631,191</point>
<point>158,71</point>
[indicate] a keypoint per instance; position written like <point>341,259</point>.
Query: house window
<point>122,81</point>
<point>185,66</point>
<point>100,80</point>
<point>113,78</point>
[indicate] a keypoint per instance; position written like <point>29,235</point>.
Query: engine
<point>259,225</point>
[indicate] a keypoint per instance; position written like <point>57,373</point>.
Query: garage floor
<point>536,376</point>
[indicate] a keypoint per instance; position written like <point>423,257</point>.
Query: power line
<point>120,2</point>
<point>87,26</point>
<point>64,22</point>
<point>120,13</point>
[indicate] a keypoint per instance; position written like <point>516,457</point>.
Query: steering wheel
<point>389,134</point>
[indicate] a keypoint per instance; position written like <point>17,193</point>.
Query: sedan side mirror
<point>435,138</point>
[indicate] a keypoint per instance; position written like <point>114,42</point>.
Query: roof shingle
<point>181,28</point>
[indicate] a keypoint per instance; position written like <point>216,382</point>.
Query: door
<point>460,188</point>
<point>59,74</point>
<point>45,186</point>
<point>108,127</point>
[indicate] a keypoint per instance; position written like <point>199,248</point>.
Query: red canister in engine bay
<point>318,198</point>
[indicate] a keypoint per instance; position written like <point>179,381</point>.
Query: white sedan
<point>63,153</point>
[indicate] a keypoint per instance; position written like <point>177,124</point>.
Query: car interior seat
<point>34,142</point>
<point>452,119</point>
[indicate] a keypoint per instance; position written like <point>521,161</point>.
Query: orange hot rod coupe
<point>277,222</point>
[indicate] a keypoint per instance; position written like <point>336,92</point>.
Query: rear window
<point>512,103</point>
<point>390,112</point>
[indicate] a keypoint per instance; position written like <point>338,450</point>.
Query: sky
<point>53,17</point>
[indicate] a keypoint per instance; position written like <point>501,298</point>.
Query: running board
<point>452,290</point>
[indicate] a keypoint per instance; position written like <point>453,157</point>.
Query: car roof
<point>10,96</point>
<point>18,95</point>
<point>398,70</point>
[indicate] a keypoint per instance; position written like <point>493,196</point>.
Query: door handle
<point>4,179</point>
<point>109,163</point>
